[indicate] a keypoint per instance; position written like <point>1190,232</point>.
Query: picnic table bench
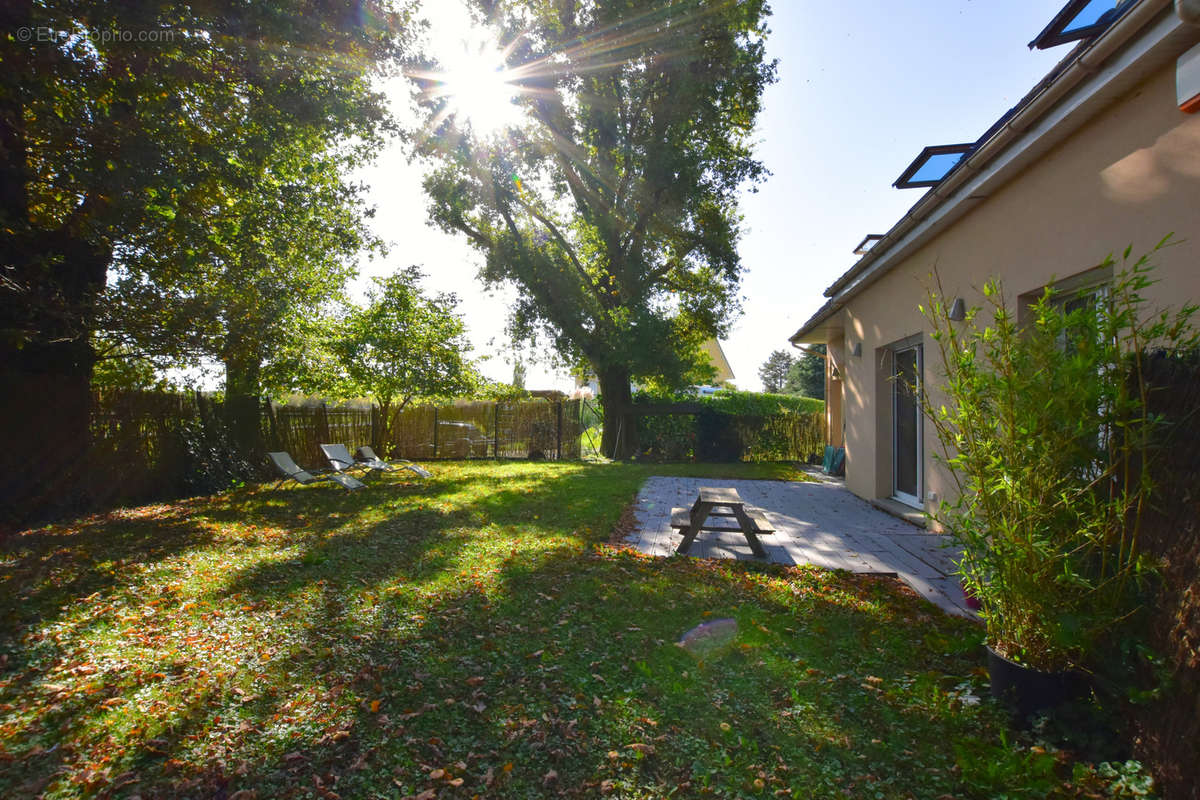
<point>750,521</point>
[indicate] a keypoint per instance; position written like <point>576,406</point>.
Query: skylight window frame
<point>905,180</point>
<point>866,244</point>
<point>1055,33</point>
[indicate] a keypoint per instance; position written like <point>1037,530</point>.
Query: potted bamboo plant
<point>1043,428</point>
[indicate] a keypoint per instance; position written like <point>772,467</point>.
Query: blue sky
<point>863,87</point>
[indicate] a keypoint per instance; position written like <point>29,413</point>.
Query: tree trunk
<point>242,377</point>
<point>620,427</point>
<point>384,447</point>
<point>46,377</point>
<point>242,409</point>
<point>48,282</point>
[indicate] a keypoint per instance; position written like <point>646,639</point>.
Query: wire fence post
<point>558,433</point>
<point>496,431</point>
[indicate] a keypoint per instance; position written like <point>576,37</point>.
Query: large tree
<point>807,374</point>
<point>116,120</point>
<point>614,210</point>
<point>259,266</point>
<point>774,371</point>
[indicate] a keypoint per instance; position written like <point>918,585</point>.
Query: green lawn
<point>473,635</point>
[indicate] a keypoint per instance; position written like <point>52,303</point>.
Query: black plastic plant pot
<point>1028,691</point>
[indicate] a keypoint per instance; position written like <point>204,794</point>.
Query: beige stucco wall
<point>1128,177</point>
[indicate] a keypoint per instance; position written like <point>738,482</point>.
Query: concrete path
<point>815,523</point>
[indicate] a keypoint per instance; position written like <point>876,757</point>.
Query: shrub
<point>1046,432</point>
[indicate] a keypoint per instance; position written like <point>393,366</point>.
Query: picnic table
<point>725,503</point>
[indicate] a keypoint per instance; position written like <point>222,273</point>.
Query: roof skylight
<point>867,243</point>
<point>1080,19</point>
<point>932,165</point>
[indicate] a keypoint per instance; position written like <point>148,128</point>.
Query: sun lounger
<point>290,470</point>
<point>339,458</point>
<point>366,456</point>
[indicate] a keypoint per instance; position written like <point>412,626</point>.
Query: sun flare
<point>478,87</point>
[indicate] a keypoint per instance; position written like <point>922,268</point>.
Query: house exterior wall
<point>1129,176</point>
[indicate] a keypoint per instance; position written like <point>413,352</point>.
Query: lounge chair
<point>290,470</point>
<point>339,458</point>
<point>366,456</point>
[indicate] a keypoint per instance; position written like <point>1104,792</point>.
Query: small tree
<point>774,371</point>
<point>807,375</point>
<point>403,344</point>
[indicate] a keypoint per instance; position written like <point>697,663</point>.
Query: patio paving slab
<point>819,523</point>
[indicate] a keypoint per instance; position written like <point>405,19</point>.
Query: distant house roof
<point>1133,43</point>
<point>715,354</point>
<point>711,347</point>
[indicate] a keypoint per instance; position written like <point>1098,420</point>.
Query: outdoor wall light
<point>958,310</point>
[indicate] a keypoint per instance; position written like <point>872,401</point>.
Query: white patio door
<point>907,447</point>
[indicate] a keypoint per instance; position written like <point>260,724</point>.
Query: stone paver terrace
<point>818,523</point>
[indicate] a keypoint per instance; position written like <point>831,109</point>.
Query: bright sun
<point>478,87</point>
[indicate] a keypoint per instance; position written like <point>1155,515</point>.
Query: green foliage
<point>1045,429</point>
<point>486,389</point>
<point>807,374</point>
<point>751,425</point>
<point>1005,771</point>
<point>668,437</point>
<point>613,209</point>
<point>404,344</point>
<point>730,401</point>
<point>160,158</point>
<point>118,368</point>
<point>774,371</point>
<point>1122,779</point>
<point>163,145</point>
<point>474,627</point>
<point>246,279</point>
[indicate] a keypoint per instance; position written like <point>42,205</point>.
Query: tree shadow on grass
<point>48,567</point>
<point>403,636</point>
